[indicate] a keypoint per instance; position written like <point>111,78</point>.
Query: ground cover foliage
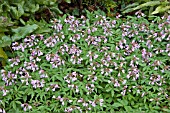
<point>19,18</point>
<point>91,64</point>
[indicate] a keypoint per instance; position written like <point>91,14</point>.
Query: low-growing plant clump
<point>91,64</point>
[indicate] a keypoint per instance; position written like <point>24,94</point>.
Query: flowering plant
<point>91,64</point>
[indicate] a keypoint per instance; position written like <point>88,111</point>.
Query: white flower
<point>70,101</point>
<point>77,90</point>
<point>85,104</point>
<point>109,81</point>
<point>96,56</point>
<point>101,100</point>
<point>93,104</point>
<point>151,99</point>
<point>29,107</point>
<point>124,82</point>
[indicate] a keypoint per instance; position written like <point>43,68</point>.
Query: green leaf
<point>123,102</point>
<point>43,30</point>
<point>65,28</point>
<point>150,3</point>
<point>3,54</point>
<point>14,12</point>
<point>131,5</point>
<point>68,1</point>
<point>24,98</point>
<point>128,10</point>
<point>56,10</point>
<point>88,23</point>
<point>34,8</point>
<point>20,8</point>
<point>112,93</point>
<point>160,9</point>
<point>4,7</point>
<point>17,12</point>
<point>89,15</point>
<point>128,109</point>
<point>14,105</point>
<point>100,87</point>
<point>109,100</point>
<point>166,110</point>
<point>59,78</point>
<point>109,89</point>
<point>21,32</point>
<point>5,41</point>
<point>116,105</point>
<point>18,102</point>
<point>22,21</point>
<point>142,64</point>
<point>45,27</point>
<point>150,11</point>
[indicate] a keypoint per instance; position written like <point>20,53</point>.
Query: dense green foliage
<point>91,64</point>
<point>32,16</point>
<point>15,13</point>
<point>99,62</point>
<point>151,7</point>
<point>19,18</point>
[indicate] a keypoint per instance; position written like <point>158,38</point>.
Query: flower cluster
<point>26,106</point>
<point>8,77</point>
<point>55,60</point>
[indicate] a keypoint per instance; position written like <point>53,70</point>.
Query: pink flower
<point>93,104</point>
<point>26,106</point>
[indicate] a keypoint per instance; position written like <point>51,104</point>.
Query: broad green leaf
<point>31,6</point>
<point>42,30</point>
<point>20,8</point>
<point>4,7</point>
<point>14,12</point>
<point>21,32</point>
<point>3,54</point>
<point>45,27</point>
<point>160,9</point>
<point>129,8</point>
<point>34,8</point>
<point>131,5</point>
<point>17,12</point>
<point>150,3</point>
